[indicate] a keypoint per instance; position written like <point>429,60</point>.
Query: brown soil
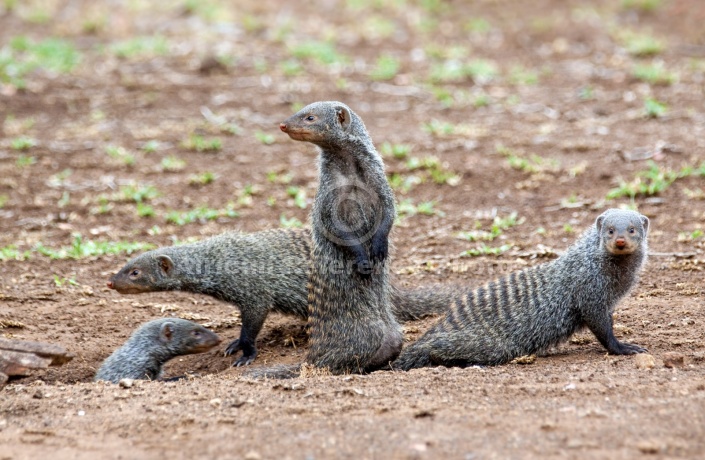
<point>575,401</point>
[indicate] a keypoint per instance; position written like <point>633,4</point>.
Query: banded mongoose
<point>351,326</point>
<point>531,310</point>
<point>153,344</point>
<point>257,272</point>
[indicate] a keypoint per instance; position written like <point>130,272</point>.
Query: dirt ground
<point>534,108</point>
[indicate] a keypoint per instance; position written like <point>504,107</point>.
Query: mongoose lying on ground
<point>153,344</point>
<point>351,326</point>
<point>528,311</point>
<point>257,272</point>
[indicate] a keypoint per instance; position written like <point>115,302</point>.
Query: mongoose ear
<point>166,264</point>
<point>645,223</point>
<point>166,332</point>
<point>598,222</point>
<point>344,118</point>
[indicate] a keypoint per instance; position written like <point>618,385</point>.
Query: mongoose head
<point>178,336</point>
<point>622,231</point>
<point>150,272</point>
<point>324,123</point>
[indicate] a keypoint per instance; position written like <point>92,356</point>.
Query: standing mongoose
<point>351,326</point>
<point>531,310</point>
<point>258,272</point>
<point>153,344</point>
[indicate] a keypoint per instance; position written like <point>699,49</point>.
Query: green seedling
<point>204,178</point>
<point>120,154</point>
<point>265,138</point>
<point>484,250</point>
<point>172,164</point>
<point>292,222</point>
<point>12,253</point>
<point>386,68</point>
<point>656,74</point>
<point>298,194</point>
<point>59,282</point>
<point>323,52</point>
<point>200,214</point>
<point>398,151</point>
<point>23,143</point>
<point>150,146</point>
<point>24,161</point>
<point>81,248</point>
<point>140,47</point>
<point>198,143</point>
<point>654,108</point>
<point>144,210</point>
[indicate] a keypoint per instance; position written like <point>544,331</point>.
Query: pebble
<point>644,361</point>
<point>673,359</point>
<point>126,383</point>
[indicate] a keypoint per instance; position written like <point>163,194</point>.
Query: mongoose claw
<point>624,348</point>
<point>244,361</point>
<point>233,347</point>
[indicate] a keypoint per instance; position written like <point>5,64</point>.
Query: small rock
<point>648,447</point>
<point>673,359</point>
<point>126,383</point>
<point>215,402</point>
<point>644,361</point>
<point>253,455</point>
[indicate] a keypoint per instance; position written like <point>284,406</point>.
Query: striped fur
<point>531,310</point>
<point>257,272</point>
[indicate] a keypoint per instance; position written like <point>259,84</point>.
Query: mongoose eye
<point>196,333</point>
<point>632,230</point>
<point>135,272</point>
<point>610,231</point>
<point>310,118</point>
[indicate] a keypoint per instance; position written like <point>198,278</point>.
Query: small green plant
<point>567,228</point>
<point>198,143</point>
<point>323,52</point>
<point>655,73</point>
<point>200,214</point>
<point>477,26</point>
<point>519,75</point>
<point>140,47</point>
<point>204,178</point>
<point>172,164</point>
<point>407,208</point>
<point>398,151</point>
<point>654,108</point>
<point>81,248</point>
<point>403,183</point>
<point>59,282</point>
<point>121,154</point>
<point>150,146</point>
<point>499,224</point>
<point>24,161</point>
<point>481,71</point>
<point>3,200</point>
<point>642,45</point>
<point>136,193</point>
<point>22,143</point>
<point>12,253</point>
<point>144,210</point>
<point>64,200</point>
<point>484,250</point>
<point>292,222</point>
<point>24,55</point>
<point>298,194</point>
<point>265,138</point>
<point>275,177</point>
<point>291,67</point>
<point>439,128</point>
<point>645,6</point>
<point>650,182</point>
<point>386,68</point>
<point>690,236</point>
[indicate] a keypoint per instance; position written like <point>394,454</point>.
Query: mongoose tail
<point>531,310</point>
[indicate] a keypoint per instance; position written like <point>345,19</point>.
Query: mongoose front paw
<point>624,348</point>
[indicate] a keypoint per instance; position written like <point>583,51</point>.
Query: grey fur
<point>536,308</point>
<point>351,327</point>
<point>257,272</point>
<point>153,344</point>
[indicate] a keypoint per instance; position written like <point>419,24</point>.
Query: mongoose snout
<point>621,243</point>
<point>111,285</point>
<point>283,127</point>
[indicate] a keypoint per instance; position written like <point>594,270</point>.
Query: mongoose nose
<point>282,126</point>
<point>111,285</point>
<point>620,243</point>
